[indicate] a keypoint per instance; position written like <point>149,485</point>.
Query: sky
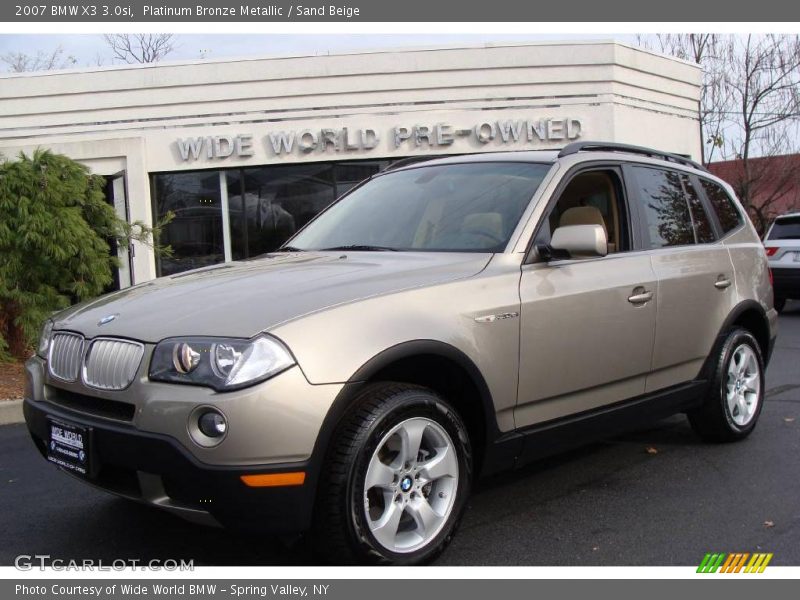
<point>90,50</point>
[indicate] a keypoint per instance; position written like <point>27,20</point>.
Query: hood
<point>241,299</point>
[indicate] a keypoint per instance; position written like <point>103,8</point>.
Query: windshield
<point>787,228</point>
<point>471,207</point>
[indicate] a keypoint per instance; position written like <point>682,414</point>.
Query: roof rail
<point>576,147</point>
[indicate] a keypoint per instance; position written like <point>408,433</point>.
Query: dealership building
<point>245,151</point>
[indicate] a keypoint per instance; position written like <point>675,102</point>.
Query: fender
<point>435,348</point>
<point>733,316</point>
<point>385,358</point>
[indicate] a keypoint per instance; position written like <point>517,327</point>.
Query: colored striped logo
<point>739,562</point>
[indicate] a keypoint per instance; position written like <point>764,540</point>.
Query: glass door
<point>117,196</point>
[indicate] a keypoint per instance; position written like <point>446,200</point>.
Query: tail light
<point>771,250</point>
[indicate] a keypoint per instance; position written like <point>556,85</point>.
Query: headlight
<point>219,363</point>
<point>44,339</point>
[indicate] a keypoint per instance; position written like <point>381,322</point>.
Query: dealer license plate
<point>68,446</point>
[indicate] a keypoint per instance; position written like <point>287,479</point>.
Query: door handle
<point>722,282</point>
<point>640,296</point>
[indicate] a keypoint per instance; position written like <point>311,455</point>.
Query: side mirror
<point>580,241</point>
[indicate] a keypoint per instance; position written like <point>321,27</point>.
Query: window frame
<point>629,223</point>
<point>643,225</point>
<point>710,213</point>
<point>234,175</point>
<point>154,214</point>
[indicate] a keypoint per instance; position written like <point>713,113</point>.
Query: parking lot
<point>653,497</point>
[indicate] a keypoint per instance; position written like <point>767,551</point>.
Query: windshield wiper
<point>362,247</point>
<point>288,249</point>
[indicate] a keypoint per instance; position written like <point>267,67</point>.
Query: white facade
<point>374,105</point>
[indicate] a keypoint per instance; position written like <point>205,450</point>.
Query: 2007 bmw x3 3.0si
<point>443,320</point>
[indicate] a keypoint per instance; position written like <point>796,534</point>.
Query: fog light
<point>212,424</point>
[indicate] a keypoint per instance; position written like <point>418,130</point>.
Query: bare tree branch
<point>749,112</point>
<point>140,47</point>
<point>19,62</point>
<point>707,50</point>
<point>764,76</point>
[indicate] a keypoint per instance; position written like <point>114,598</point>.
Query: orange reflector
<point>274,479</point>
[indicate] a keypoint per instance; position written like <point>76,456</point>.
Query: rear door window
<point>703,231</point>
<point>664,208</point>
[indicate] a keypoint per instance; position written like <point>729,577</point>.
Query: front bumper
<point>147,453</point>
<point>156,470</point>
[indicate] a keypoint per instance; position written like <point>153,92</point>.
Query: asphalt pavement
<point>658,496</point>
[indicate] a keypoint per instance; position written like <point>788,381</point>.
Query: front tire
<point>396,479</point>
<point>736,395</point>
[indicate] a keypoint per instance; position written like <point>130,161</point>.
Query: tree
<point>19,62</point>
<point>749,112</point>
<point>140,47</point>
<point>771,183</point>
<point>54,227</point>
<point>706,50</point>
<point>764,81</point>
<point>775,186</point>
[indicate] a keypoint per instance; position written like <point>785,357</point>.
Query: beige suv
<point>443,320</point>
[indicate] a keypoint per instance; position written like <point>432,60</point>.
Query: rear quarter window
<point>728,215</point>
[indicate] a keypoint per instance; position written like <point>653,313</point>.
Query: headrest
<point>583,215</point>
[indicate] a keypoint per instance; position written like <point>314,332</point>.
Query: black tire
<point>713,420</point>
<point>780,304</point>
<point>341,534</point>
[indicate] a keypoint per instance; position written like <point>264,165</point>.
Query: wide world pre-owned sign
<point>347,139</point>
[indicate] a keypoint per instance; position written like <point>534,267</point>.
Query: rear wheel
<point>396,480</point>
<point>733,404</point>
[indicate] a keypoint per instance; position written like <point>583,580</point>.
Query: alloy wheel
<point>743,385</point>
<point>410,485</point>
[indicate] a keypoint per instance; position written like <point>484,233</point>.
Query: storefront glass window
<point>266,206</point>
<point>195,234</point>
<point>269,204</point>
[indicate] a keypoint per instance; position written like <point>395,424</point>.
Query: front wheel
<point>396,479</point>
<point>733,404</point>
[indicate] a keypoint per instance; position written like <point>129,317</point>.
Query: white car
<point>782,243</point>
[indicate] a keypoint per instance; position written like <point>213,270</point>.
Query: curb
<point>11,412</point>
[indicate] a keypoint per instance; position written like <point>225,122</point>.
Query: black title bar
<point>275,11</point>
